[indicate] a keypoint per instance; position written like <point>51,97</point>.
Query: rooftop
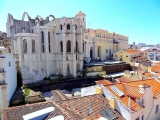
<point>131,89</point>
<point>86,108</point>
<point>133,51</point>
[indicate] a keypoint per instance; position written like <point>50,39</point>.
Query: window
<point>157,108</point>
<point>61,27</point>
<point>137,118</point>
<point>32,30</point>
<point>61,46</point>
<point>68,26</point>
<point>75,27</point>
<point>76,46</point>
<point>126,55</point>
<point>106,51</point>
<point>68,46</point>
<point>49,42</point>
<point>116,55</point>
<point>24,46</point>
<point>42,38</point>
<point>142,117</point>
<point>9,63</point>
<point>33,46</point>
<point>83,19</point>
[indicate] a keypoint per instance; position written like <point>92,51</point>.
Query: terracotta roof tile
<point>97,103</point>
<point>132,51</point>
<point>58,95</point>
<point>71,109</point>
<point>104,82</point>
<point>130,89</point>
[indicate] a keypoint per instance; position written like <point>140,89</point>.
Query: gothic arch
<point>24,14</point>
<point>68,70</point>
<point>51,16</point>
<point>40,18</point>
<point>68,26</point>
<point>61,46</point>
<point>33,46</point>
<point>68,46</point>
<point>78,66</point>
<point>24,46</point>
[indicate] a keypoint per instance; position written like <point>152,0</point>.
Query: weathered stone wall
<point>37,49</point>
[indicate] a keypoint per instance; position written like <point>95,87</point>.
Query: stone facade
<point>44,47</point>
<point>100,44</point>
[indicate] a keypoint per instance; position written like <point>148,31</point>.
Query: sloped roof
<point>132,51</point>
<point>71,109</point>
<point>131,89</point>
<point>58,95</point>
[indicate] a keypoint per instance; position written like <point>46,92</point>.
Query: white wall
<point>11,76</point>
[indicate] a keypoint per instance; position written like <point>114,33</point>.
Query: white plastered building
<point>8,78</point>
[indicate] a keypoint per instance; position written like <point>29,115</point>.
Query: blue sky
<point>137,19</point>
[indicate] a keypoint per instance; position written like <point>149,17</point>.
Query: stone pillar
<point>81,47</point>
<point>29,52</point>
<point>46,52</point>
<point>54,47</point>
<point>38,51</point>
<point>73,44</point>
<point>64,40</point>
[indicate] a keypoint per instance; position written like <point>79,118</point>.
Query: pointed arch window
<point>68,70</point>
<point>68,26</point>
<point>24,46</point>
<point>77,46</point>
<point>33,46</point>
<point>42,40</point>
<point>61,46</point>
<point>68,46</point>
<point>49,42</point>
<point>78,66</point>
<point>61,26</point>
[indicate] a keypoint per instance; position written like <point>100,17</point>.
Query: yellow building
<point>130,56</point>
<point>100,44</point>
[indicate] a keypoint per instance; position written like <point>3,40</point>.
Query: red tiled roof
<point>130,89</point>
<point>97,103</point>
<point>58,95</point>
<point>71,109</point>
<point>132,51</point>
<point>104,82</point>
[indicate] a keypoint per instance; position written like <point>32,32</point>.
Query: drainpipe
<point>150,112</point>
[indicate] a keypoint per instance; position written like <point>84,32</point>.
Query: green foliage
<point>26,93</point>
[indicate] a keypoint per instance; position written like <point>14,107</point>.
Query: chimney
<point>141,88</point>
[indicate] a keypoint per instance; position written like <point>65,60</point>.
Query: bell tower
<point>82,17</point>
